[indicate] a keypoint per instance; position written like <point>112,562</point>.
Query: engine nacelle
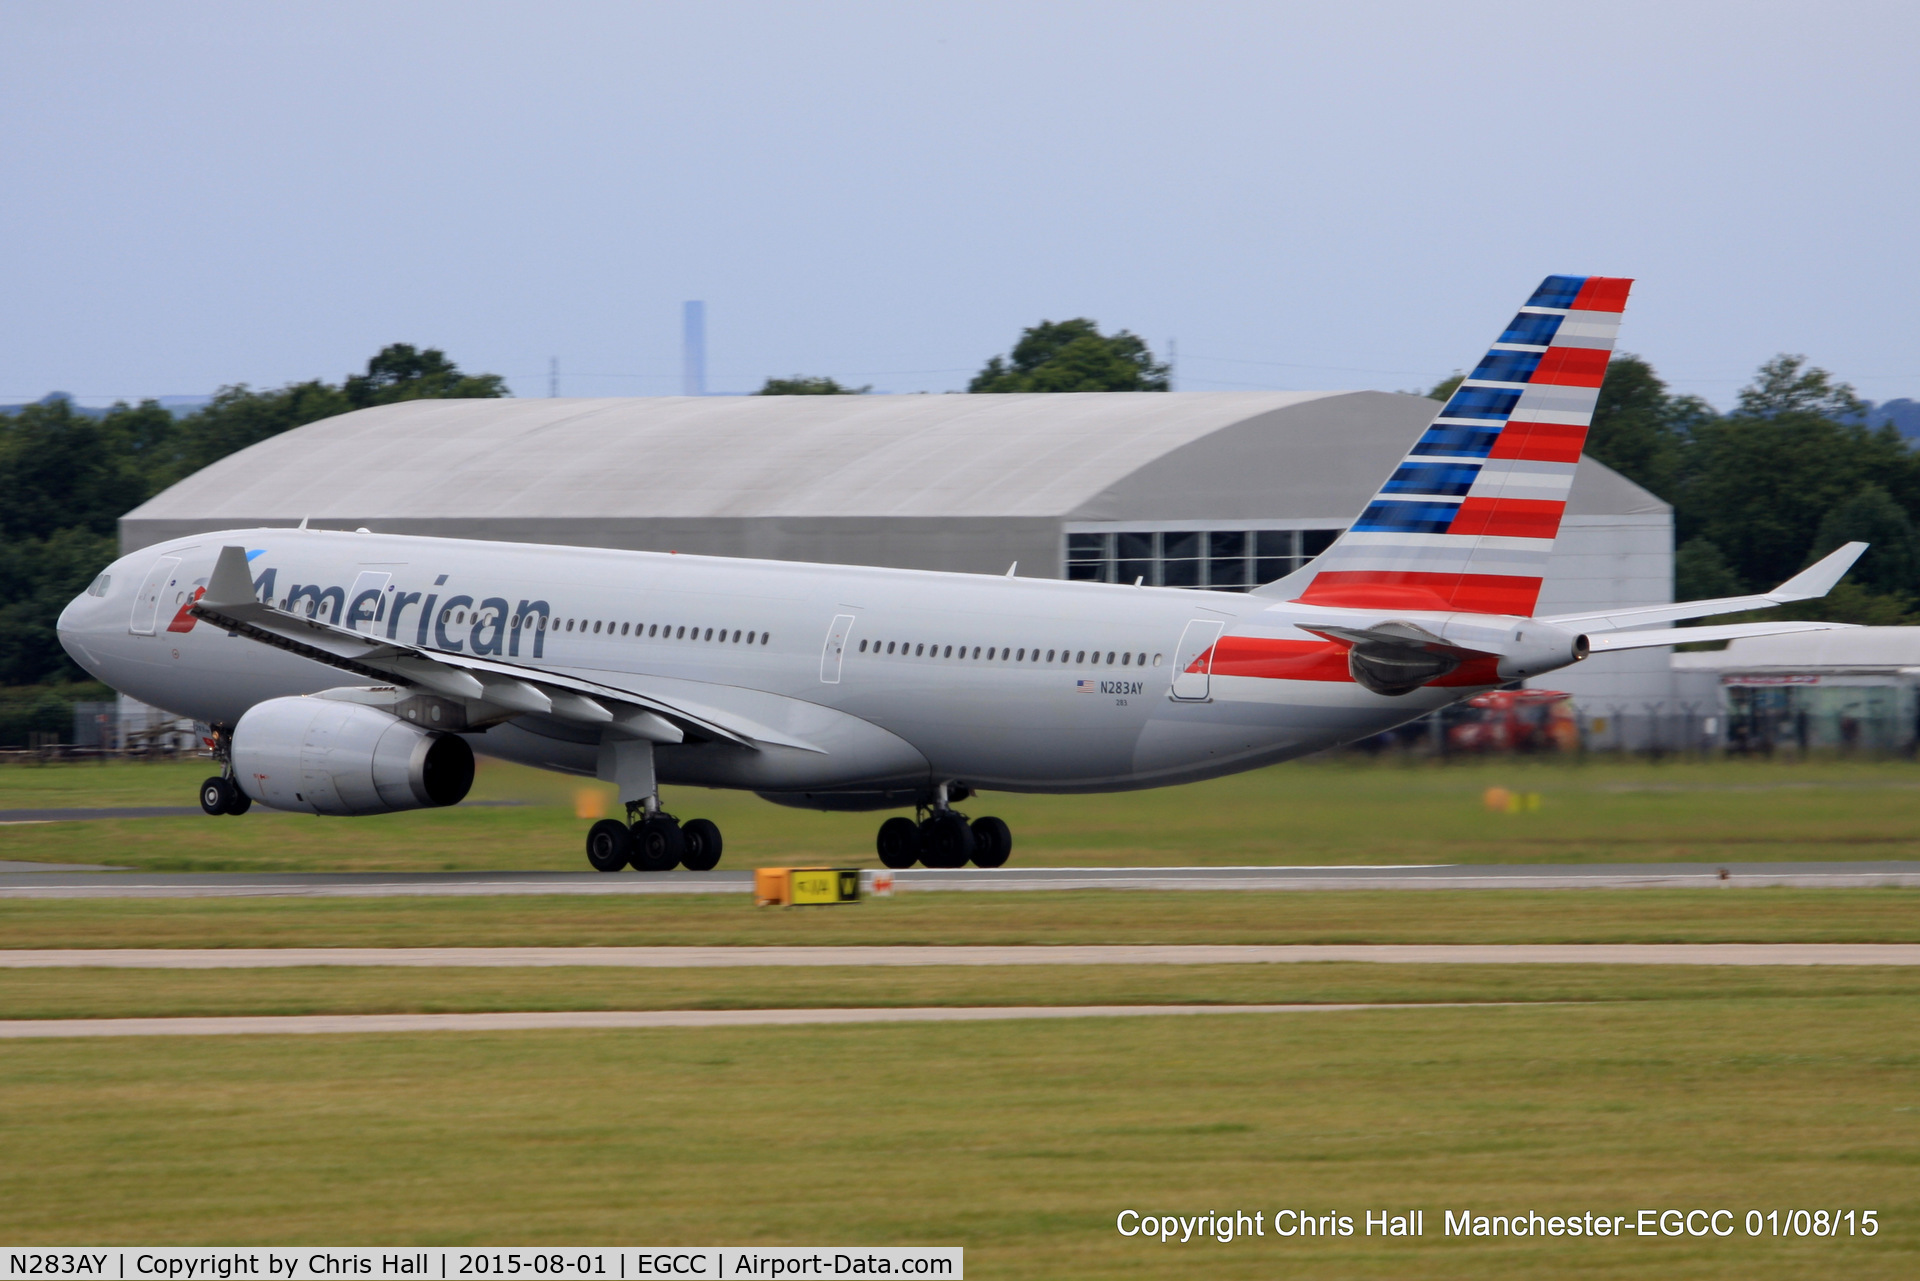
<point>329,757</point>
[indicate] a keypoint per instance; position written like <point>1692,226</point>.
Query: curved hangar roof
<point>547,469</point>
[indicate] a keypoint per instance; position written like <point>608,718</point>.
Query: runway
<point>704,958</point>
<point>79,883</point>
<point>550,1020</point>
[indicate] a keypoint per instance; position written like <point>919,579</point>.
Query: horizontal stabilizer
<point>1811,583</point>
<point>1607,642</point>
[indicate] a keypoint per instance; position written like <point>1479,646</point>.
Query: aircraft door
<point>366,603</point>
<point>835,649</point>
<point>1193,660</point>
<point>146,604</point>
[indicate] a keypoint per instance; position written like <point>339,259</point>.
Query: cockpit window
<point>100,585</point>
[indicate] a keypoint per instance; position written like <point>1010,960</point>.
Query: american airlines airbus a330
<point>356,673</point>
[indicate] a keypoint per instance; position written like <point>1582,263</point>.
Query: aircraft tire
<point>899,843</point>
<point>945,840</point>
<point>609,845</point>
<point>702,838</point>
<point>992,842</point>
<point>241,802</point>
<point>216,795</point>
<point>658,845</point>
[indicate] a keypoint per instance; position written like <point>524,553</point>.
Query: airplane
<point>357,673</point>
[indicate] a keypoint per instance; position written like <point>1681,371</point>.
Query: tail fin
<point>1468,518</point>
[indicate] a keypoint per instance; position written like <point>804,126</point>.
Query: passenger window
<point>949,653</point>
<point>765,637</point>
<point>681,634</point>
<point>863,647</point>
<point>653,629</point>
<point>1156,660</point>
<point>1022,655</point>
<point>889,647</point>
<point>1142,660</point>
<point>918,650</point>
<point>709,633</point>
<point>750,636</point>
<point>1125,659</point>
<point>990,653</point>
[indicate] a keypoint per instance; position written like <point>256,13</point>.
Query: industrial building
<point>1856,689</point>
<point>1211,490</point>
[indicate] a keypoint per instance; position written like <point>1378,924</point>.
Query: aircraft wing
<point>1608,642</point>
<point>512,688</point>
<point>1811,583</point>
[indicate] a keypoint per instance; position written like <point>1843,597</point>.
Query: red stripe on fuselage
<point>1571,367</point>
<point>1603,293</point>
<point>1540,442</point>
<point>1414,589</point>
<point>1508,517</point>
<point>1264,658</point>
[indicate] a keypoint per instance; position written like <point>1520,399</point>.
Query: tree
<point>1785,386</point>
<point>1891,565</point>
<point>1640,430</point>
<point>803,385</point>
<point>1701,572</point>
<point>400,372</point>
<point>1758,483</point>
<point>1441,390</point>
<point>1073,355</point>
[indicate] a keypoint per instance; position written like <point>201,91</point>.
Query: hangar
<point>1214,490</point>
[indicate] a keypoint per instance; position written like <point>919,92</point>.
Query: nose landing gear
<point>943,838</point>
<point>220,794</point>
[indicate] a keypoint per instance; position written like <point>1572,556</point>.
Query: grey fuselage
<point>886,681</point>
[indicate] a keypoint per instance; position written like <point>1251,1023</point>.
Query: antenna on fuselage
<point>304,520</point>
<point>1011,568</point>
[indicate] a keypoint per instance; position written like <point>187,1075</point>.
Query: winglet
<point>232,581</point>
<point>1817,579</point>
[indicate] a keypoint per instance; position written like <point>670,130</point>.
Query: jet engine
<point>330,757</point>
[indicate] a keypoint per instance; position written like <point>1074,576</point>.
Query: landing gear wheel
<point>899,843</point>
<point>992,842</point>
<point>702,839</point>
<point>658,844</point>
<point>609,845</point>
<point>945,840</point>
<point>219,796</point>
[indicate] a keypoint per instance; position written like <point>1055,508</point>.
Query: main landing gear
<point>653,840</point>
<point>220,794</point>
<point>943,838</point>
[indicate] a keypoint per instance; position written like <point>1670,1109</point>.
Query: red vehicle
<point>1516,720</point>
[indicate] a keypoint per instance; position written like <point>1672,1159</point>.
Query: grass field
<point>1337,811</point>
<point>1090,916</point>
<point>1019,1141</point>
<point>99,993</point>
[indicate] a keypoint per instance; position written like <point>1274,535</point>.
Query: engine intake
<point>324,756</point>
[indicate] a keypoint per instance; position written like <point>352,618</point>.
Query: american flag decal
<point>1083,687</point>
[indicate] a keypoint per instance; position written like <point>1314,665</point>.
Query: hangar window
<point>1223,560</point>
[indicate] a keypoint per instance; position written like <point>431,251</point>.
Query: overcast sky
<point>1305,196</point>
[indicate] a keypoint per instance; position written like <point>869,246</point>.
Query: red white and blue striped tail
<point>1467,520</point>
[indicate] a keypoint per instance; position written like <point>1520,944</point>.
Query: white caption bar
<point>476,1263</point>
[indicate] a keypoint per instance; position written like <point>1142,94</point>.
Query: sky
<point>1301,196</point>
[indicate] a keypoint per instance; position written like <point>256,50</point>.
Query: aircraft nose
<point>80,621</point>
